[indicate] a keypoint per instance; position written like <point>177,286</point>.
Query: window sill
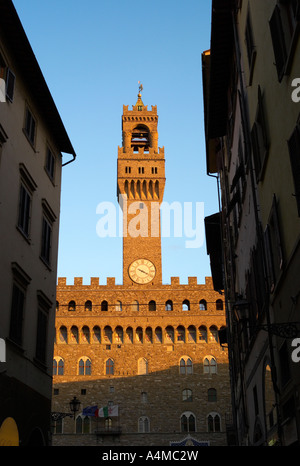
<point>46,263</point>
<point>27,238</point>
<point>29,141</point>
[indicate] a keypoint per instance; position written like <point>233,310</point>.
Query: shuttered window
<point>278,40</point>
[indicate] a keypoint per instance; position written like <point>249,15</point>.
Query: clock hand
<point>140,270</point>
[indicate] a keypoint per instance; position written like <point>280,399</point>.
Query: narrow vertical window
<point>50,164</point>
<point>47,227</point>
<point>30,126</point>
<point>17,311</point>
<point>46,240</point>
<point>109,365</point>
<point>251,52</point>
<point>24,210</point>
<point>19,287</point>
<point>44,307</point>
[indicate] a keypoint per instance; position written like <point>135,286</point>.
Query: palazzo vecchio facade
<point>143,357</point>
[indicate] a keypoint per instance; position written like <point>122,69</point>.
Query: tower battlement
<point>111,283</point>
<point>149,154</point>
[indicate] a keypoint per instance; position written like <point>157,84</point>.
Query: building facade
<point>252,141</point>
<point>146,351</point>
<point>32,140</point>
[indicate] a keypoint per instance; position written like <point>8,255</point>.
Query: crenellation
<point>61,282</point>
<point>192,281</point>
<point>94,282</point>
<point>148,345</point>
<point>175,281</point>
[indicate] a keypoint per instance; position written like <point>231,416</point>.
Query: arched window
<point>108,424</point>
<point>144,424</point>
<point>211,394</point>
<point>213,422</point>
<point>85,366</point>
<point>74,334</point>
<point>79,425</point>
<point>54,372</point>
<point>139,335</point>
<point>188,422</point>
<point>169,334</point>
<point>209,365</point>
<point>169,305</point>
<point>109,367</point>
<point>186,305</point>
<point>61,367</point>
<point>152,305</point>
<point>202,333</point>
<point>219,305</point>
<point>104,306</point>
<point>85,335</point>
<point>72,306</point>
<point>129,335</point>
<point>88,305</point>
<point>144,397</point>
<point>213,333</point>
<point>140,138</point>
<point>192,334</point>
<point>185,366</point>
<point>107,335</point>
<point>158,335</point>
<point>119,334</point>
<point>135,306</point>
<point>142,366</point>
<point>96,334</point>
<point>88,367</point>
<point>187,395</point>
<point>180,334</point>
<point>83,424</point>
<point>63,334</point>
<point>203,305</point>
<point>148,335</point>
<point>118,306</point>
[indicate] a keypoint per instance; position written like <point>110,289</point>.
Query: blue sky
<point>92,55</point>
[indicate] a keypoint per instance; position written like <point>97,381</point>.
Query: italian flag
<point>108,411</point>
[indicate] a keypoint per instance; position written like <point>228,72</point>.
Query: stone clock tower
<point>141,182</point>
<point>145,350</point>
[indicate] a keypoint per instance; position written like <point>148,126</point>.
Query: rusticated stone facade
<point>151,349</point>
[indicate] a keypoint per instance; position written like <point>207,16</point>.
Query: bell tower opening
<point>140,138</point>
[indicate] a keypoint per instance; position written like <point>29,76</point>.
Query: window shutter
<point>278,42</point>
<point>10,84</point>
<point>269,259</point>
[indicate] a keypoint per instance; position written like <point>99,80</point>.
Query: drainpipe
<point>70,161</point>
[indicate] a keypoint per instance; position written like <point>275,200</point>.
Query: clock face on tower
<point>142,271</point>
